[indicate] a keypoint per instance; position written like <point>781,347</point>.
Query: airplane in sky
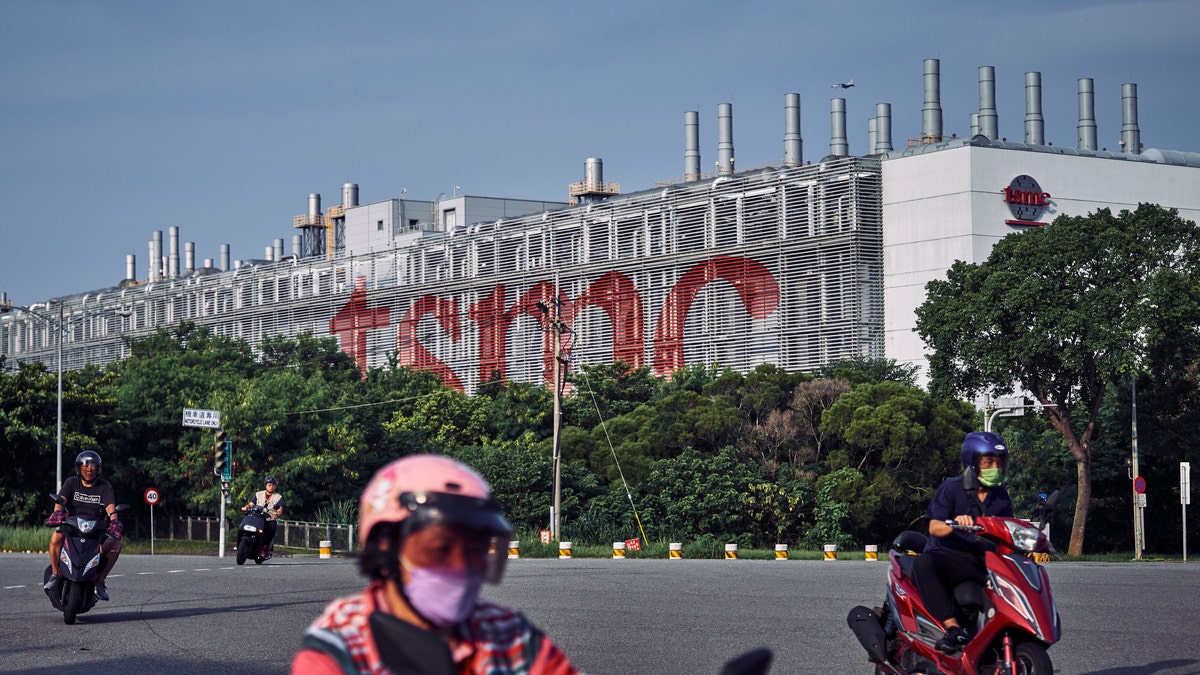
<point>843,85</point>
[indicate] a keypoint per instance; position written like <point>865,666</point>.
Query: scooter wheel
<point>1031,659</point>
<point>73,602</point>
<point>243,550</point>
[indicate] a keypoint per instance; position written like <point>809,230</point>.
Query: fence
<point>290,533</point>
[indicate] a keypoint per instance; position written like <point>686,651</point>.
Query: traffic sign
<point>195,417</point>
<point>151,496</point>
<point>1139,485</point>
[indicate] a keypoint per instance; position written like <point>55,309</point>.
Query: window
<point>379,226</point>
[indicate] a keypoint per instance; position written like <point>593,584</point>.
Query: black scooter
<point>79,564</point>
<point>252,532</point>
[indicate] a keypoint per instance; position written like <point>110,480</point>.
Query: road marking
<point>202,569</point>
<point>141,574</point>
<point>8,587</point>
<point>175,571</point>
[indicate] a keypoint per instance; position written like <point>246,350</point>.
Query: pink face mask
<point>443,596</point>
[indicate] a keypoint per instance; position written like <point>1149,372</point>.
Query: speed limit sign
<point>151,496</point>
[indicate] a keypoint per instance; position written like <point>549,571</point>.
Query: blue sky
<point>120,118</point>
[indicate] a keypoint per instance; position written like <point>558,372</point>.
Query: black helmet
<point>270,479</point>
<point>87,457</point>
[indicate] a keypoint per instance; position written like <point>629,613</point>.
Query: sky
<point>120,118</point>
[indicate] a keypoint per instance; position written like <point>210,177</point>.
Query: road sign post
<point>151,496</point>
<point>1185,498</point>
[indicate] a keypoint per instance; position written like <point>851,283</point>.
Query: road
<point>190,614</point>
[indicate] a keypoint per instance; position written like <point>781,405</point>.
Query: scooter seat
<point>969,595</point>
<point>906,563</point>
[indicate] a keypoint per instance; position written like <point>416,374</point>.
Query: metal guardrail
<point>289,533</point>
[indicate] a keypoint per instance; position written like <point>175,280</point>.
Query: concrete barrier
<point>781,551</point>
<point>872,552</point>
<point>325,549</point>
<point>618,550</point>
<point>675,551</point>
<point>514,550</point>
<point>731,551</point>
<point>564,550</point>
<point>831,551</point>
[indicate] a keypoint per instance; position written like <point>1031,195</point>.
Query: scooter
<point>78,565</point>
<point>1012,621</point>
<point>252,532</point>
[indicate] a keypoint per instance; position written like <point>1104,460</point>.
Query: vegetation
<point>848,455</point>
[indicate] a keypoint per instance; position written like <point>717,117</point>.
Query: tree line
<point>847,455</point>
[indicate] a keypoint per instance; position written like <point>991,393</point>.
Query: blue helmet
<point>983,443</point>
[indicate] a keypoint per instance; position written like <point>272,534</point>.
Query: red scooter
<point>1012,621</point>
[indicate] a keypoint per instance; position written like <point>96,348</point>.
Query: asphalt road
<point>185,614</point>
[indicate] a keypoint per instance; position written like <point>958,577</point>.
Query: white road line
<point>175,571</point>
<point>202,569</point>
<point>144,573</point>
<point>8,587</point>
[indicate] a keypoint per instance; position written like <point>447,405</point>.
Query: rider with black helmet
<point>272,502</point>
<point>88,496</point>
<point>953,556</point>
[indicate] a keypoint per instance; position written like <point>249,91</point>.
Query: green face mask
<point>991,477</point>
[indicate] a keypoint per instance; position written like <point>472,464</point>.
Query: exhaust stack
<point>155,270</point>
<point>173,256</point>
<point>987,103</point>
<point>793,142</point>
<point>224,257</point>
<point>883,128</point>
<point>691,145</point>
<point>931,113</point>
<point>189,256</point>
<point>349,196</point>
<point>1131,136</point>
<point>1087,114</point>
<point>838,147</point>
<point>725,159</point>
<point>130,267</point>
<point>1035,124</point>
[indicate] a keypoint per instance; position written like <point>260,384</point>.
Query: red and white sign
<point>151,496</point>
<point>633,544</point>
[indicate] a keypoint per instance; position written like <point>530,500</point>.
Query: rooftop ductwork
<point>130,267</point>
<point>988,125</point>
<point>173,255</point>
<point>793,142</point>
<point>691,145</point>
<point>1131,136</point>
<point>349,196</point>
<point>225,257</point>
<point>838,146</point>
<point>931,113</point>
<point>155,266</point>
<point>189,256</point>
<point>883,128</point>
<point>1035,124</point>
<point>1087,114</point>
<point>725,159</point>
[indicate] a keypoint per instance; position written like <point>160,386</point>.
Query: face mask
<point>443,596</point>
<point>991,477</point>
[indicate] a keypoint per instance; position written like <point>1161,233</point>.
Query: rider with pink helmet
<point>430,535</point>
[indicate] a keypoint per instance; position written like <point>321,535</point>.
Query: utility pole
<point>557,327</point>
<point>1137,497</point>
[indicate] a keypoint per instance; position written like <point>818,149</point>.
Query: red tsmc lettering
<point>1026,197</point>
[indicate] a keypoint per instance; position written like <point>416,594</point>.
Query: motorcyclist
<point>431,534</point>
<point>953,556</point>
<point>90,497</point>
<point>272,503</point>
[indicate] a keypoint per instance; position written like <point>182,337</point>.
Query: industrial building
<point>796,264</point>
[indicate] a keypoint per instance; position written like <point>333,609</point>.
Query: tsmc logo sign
<point>1026,201</point>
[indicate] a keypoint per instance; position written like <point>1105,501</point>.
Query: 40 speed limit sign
<point>151,496</point>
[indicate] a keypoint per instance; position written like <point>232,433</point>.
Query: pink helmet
<point>425,489</point>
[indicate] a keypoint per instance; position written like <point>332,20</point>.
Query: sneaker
<point>51,585</point>
<point>101,591</point>
<point>954,640</point>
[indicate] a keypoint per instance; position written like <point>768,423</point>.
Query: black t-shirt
<point>951,501</point>
<point>89,503</point>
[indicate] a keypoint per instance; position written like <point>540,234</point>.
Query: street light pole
<point>59,463</point>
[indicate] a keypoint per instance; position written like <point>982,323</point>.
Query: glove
<point>115,529</point>
<point>56,518</point>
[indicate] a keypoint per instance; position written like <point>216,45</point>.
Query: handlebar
<point>966,528</point>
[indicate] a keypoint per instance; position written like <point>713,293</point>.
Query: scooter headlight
<point>250,528</point>
<point>1024,538</point>
<point>86,526</point>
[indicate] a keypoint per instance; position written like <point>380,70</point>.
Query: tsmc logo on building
<point>1026,201</point>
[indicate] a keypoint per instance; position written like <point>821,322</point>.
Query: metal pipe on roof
<point>988,124</point>
<point>314,206</point>
<point>1035,124</point>
<point>725,159</point>
<point>224,257</point>
<point>883,127</point>
<point>793,142</point>
<point>974,124</point>
<point>931,113</point>
<point>1131,136</point>
<point>278,249</point>
<point>269,253</point>
<point>691,145</point>
<point>173,255</point>
<point>130,266</point>
<point>1087,114</point>
<point>838,146</point>
<point>296,245</point>
<point>872,134</point>
<point>155,256</point>
<point>189,256</point>
<point>349,195</point>
<point>208,262</point>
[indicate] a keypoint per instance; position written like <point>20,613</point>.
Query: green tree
<point>1064,311</point>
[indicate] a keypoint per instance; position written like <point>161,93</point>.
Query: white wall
<point>939,207</point>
